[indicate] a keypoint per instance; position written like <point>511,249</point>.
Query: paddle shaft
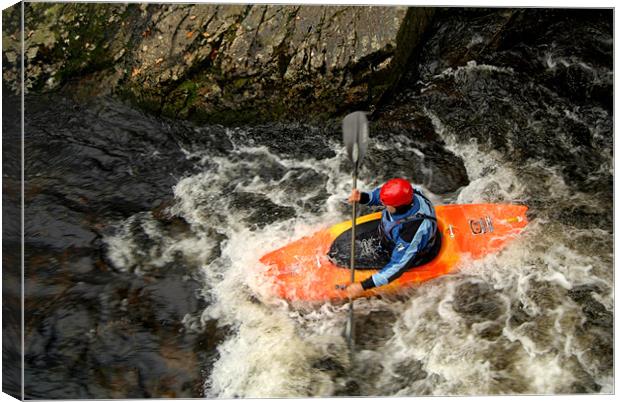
<point>352,265</point>
<point>355,138</point>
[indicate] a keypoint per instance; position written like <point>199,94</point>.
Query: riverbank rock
<point>217,63</point>
<point>64,43</point>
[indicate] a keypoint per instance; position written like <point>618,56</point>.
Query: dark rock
<point>450,45</point>
<point>56,226</point>
<point>93,331</point>
<point>12,246</point>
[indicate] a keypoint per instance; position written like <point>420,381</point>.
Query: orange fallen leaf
<point>189,34</point>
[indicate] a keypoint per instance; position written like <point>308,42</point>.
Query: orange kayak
<point>307,269</point>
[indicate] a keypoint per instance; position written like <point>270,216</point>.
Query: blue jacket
<point>407,239</point>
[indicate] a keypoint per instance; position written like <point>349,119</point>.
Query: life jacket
<point>387,239</point>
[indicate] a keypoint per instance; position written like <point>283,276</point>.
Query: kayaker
<point>408,230</point>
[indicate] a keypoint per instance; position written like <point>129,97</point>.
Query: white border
<point>437,3</point>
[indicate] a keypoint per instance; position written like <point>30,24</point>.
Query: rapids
<point>164,222</point>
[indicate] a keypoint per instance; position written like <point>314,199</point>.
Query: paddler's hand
<point>353,289</point>
<point>355,196</point>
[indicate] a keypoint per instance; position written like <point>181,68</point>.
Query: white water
<point>502,325</point>
<point>421,344</point>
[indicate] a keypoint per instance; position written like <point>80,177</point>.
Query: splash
<point>517,322</point>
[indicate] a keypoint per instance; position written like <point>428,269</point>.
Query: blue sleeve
<point>374,197</point>
<point>403,253</point>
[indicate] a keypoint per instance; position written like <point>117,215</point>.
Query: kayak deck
<point>303,269</point>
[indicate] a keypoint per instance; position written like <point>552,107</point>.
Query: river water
<point>144,234</point>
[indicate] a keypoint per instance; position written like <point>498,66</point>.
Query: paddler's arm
<point>371,199</point>
<point>402,254</point>
<point>354,289</point>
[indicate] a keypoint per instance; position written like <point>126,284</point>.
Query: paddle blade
<point>355,136</point>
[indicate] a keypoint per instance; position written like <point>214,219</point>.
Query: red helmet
<point>396,192</point>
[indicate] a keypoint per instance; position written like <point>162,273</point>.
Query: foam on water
<point>462,73</point>
<point>531,319</point>
<point>535,274</point>
<point>504,324</point>
<point>266,354</point>
<point>126,254</point>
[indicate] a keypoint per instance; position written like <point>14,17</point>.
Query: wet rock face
<point>401,127</point>
<point>219,63</point>
<point>529,84</point>
<point>63,42</point>
<point>94,331</point>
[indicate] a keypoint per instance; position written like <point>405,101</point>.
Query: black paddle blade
<point>355,136</point>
